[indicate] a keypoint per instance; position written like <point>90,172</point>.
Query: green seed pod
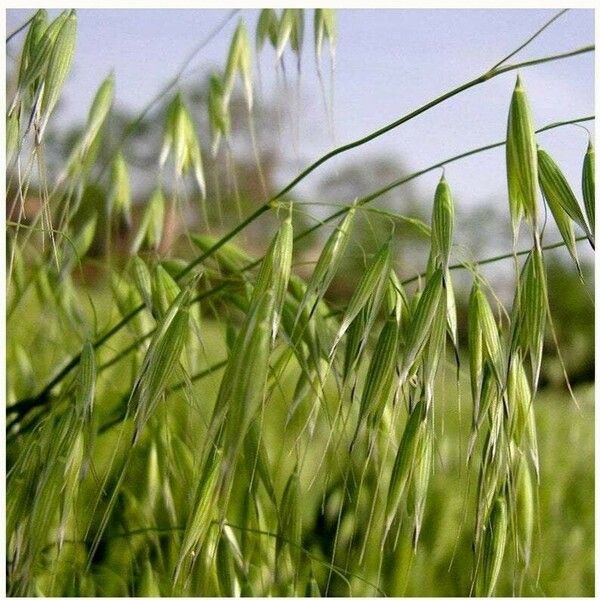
<point>442,224</point>
<point>371,285</point>
<point>164,290</point>
<point>525,510</point>
<point>588,183</point>
<point>59,65</point>
<point>558,192</point>
<point>198,523</point>
<point>552,196</point>
<point>421,322</point>
<point>531,307</point>
<point>521,160</point>
<point>494,545</point>
<point>239,61</point>
<point>99,110</point>
<point>325,29</point>
<point>328,263</point>
<point>31,45</point>
<point>181,141</point>
<point>291,29</point>
<point>160,360</point>
<point>266,28</point>
<point>151,227</point>
<point>404,462</point>
<point>380,376</point>
<point>142,280</point>
<point>218,114</point>
<point>119,199</point>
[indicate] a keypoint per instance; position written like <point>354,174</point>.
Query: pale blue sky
<point>388,63</point>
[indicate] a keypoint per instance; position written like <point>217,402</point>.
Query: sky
<point>388,62</point>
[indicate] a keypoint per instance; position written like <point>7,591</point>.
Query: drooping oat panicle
<point>328,263</point>
<point>525,509</point>
<point>435,348</point>
<point>240,397</point>
<point>325,30</point>
<point>276,269</point>
<point>484,405</point>
<point>39,48</point>
<point>226,577</point>
<point>451,316</point>
<point>286,23</point>
<point>181,141</point>
<point>291,29</point>
<point>588,184</point>
<point>521,160</point>
<point>379,382</point>
<point>442,223</point>
<point>239,60</point>
<point>127,298</point>
<point>218,112</point>
<point>404,462</point>
<point>119,198</point>
<point>200,516</point>
<point>33,58</point>
<point>13,133</point>
<point>148,585</point>
<point>160,360</point>
<point>355,337</point>
<point>99,110</point>
<point>59,65</point>
<point>142,280</point>
<point>494,545</point>
<point>31,45</point>
<point>151,226</point>
<point>266,28</point>
<point>530,308</point>
<point>552,193</point>
<point>484,319</point>
<point>419,328</point>
<point>475,345</point>
<point>297,34</point>
<point>372,284</point>
<point>395,297</point>
<point>86,392</point>
<point>33,68</point>
<point>421,477</point>
<point>308,328</point>
<point>230,257</point>
<point>522,428</point>
<point>164,290</point>
<point>558,192</point>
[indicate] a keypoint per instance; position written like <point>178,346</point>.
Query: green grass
<point>563,544</point>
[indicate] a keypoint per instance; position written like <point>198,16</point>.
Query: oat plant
<point>208,422</point>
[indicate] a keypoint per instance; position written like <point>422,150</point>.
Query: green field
<point>564,532</point>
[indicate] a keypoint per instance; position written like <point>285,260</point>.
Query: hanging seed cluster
<point>197,467</point>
